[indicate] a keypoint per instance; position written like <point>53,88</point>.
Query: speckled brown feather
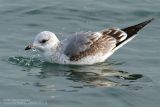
<point>116,33</point>
<point>103,45</point>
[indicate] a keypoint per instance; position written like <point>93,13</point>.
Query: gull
<point>84,48</point>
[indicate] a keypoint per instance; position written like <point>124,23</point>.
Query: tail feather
<point>132,30</point>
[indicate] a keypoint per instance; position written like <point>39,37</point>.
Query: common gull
<point>84,48</point>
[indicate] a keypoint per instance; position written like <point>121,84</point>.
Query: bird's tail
<point>132,31</point>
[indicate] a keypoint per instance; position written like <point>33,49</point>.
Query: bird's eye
<point>43,41</point>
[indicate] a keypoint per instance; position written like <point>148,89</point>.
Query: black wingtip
<point>132,30</point>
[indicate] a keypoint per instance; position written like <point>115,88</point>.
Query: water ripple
<point>34,12</point>
<point>91,76</point>
<point>26,62</point>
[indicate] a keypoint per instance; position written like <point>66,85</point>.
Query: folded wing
<point>90,43</point>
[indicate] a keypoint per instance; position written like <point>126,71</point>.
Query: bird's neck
<point>55,47</point>
<point>54,53</point>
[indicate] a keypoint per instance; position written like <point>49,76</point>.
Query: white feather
<point>53,50</point>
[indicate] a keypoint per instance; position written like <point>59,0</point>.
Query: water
<point>130,78</point>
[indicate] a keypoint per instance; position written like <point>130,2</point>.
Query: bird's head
<point>44,41</point>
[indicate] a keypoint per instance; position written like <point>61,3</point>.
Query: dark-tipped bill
<point>29,47</point>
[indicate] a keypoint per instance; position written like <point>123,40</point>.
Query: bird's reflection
<point>101,74</point>
<point>95,75</point>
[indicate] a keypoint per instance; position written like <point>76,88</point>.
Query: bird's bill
<point>30,46</point>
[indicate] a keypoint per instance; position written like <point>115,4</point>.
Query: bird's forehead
<point>44,35</point>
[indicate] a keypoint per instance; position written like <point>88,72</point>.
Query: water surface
<point>130,78</point>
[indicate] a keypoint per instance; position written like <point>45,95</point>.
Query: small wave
<point>34,12</point>
<point>34,25</point>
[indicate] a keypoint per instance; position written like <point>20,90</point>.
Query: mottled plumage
<point>84,47</point>
<point>91,43</point>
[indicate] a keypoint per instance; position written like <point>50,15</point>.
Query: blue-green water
<point>130,78</point>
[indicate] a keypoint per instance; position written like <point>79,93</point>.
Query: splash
<point>26,62</point>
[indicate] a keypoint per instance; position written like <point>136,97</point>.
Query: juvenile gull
<point>84,48</point>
